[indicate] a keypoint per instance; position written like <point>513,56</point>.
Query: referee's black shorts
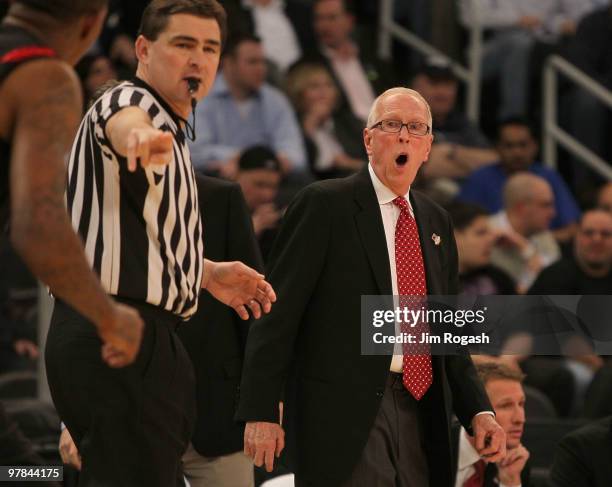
<point>132,424</point>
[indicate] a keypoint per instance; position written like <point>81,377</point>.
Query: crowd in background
<point>290,103</point>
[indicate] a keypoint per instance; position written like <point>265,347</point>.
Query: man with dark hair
<point>259,175</point>
<point>505,391</point>
<point>132,196</point>
<point>242,111</point>
<point>359,74</point>
<point>589,269</point>
<point>517,148</point>
<point>459,146</point>
<point>475,239</point>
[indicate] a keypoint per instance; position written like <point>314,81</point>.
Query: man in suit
<point>214,339</point>
<point>359,74</point>
<point>505,391</point>
<point>584,457</point>
<point>336,244</point>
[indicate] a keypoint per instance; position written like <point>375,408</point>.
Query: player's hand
<point>490,438</point>
<point>68,450</point>
<point>147,145</point>
<point>262,442</point>
<point>238,286</point>
<point>121,335</point>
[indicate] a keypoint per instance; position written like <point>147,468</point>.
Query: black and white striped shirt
<point>142,230</point>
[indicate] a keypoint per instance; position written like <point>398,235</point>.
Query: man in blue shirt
<point>242,111</point>
<point>517,149</point>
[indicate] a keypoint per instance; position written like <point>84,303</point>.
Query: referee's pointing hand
<point>149,146</point>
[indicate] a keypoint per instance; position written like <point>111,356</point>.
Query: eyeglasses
<point>395,126</point>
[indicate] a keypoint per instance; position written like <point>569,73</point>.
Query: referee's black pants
<point>132,424</point>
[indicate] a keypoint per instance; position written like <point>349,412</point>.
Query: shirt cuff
<point>485,412</point>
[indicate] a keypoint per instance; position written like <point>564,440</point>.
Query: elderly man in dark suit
<point>362,419</point>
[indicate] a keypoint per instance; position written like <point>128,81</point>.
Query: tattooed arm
<point>45,102</point>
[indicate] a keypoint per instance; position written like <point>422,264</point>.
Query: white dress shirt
<point>466,458</point>
<point>354,82</point>
<point>276,32</point>
<point>390,214</point>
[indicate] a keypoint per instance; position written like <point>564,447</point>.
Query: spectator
<point>517,149</point>
<point>604,197</point>
<point>259,176</point>
<point>525,245</point>
<point>587,117</point>
<point>475,239</point>
<point>275,29</point>
<point>358,72</point>
<point>589,269</point>
<point>582,458</point>
<point>332,134</point>
<point>242,110</point>
<point>512,28</point>
<point>459,145</point>
<point>94,71</point>
<point>505,391</point>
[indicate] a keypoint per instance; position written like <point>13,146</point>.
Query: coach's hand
<point>490,438</point>
<point>238,286</point>
<point>121,334</point>
<point>148,145</point>
<point>68,450</point>
<point>262,442</point>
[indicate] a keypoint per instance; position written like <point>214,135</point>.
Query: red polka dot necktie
<point>477,478</point>
<point>416,367</point>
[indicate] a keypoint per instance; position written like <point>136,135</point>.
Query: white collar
<point>384,194</point>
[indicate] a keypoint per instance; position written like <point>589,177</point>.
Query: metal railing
<point>470,75</point>
<point>553,134</point>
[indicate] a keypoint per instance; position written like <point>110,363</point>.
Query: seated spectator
<point>241,111</point>
<point>582,458</point>
<point>525,245</point>
<point>505,391</point>
<point>333,136</point>
<point>276,31</point>
<point>360,75</point>
<point>459,146</point>
<point>517,150</point>
<point>94,71</point>
<point>259,176</point>
<point>512,27</point>
<point>475,239</point>
<point>588,118</point>
<point>589,269</point>
<point>604,197</point>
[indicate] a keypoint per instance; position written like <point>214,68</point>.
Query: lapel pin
<point>436,239</point>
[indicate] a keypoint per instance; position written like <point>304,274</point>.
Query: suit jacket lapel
<point>431,257</point>
<point>371,231</point>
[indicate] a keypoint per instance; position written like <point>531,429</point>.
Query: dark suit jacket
<point>584,457</point>
<point>330,251</point>
<point>491,469</point>
<point>215,336</point>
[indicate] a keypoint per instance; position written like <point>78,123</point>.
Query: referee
<point>132,197</point>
